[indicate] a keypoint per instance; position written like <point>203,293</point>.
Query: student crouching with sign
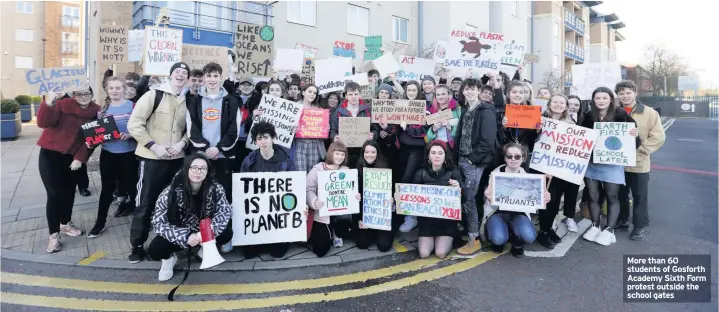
<point>118,163</point>
<point>499,223</point>
<point>308,152</point>
<point>193,195</point>
<point>437,234</point>
<point>603,108</point>
<point>352,106</point>
<point>372,158</point>
<point>63,151</point>
<point>269,157</point>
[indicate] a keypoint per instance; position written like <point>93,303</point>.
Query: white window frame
<point>302,12</point>
<point>514,5</point>
<point>73,11</point>
<point>555,30</point>
<point>21,62</point>
<point>26,35</point>
<point>396,20</point>
<point>24,7</point>
<point>352,27</point>
<point>555,62</point>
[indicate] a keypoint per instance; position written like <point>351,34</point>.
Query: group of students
<point>196,113</point>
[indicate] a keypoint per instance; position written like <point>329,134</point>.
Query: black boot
<point>544,240</point>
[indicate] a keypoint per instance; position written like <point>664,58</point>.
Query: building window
<point>216,15</point>
<point>70,11</point>
<point>555,62</point>
<point>69,62</point>
<point>399,29</point>
<point>70,16</point>
<point>302,12</point>
<point>24,7</point>
<point>24,62</point>
<point>181,12</point>
<point>357,20</point>
<point>24,35</point>
<point>555,30</point>
<point>514,8</point>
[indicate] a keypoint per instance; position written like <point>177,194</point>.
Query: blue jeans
<point>499,223</point>
<point>472,174</point>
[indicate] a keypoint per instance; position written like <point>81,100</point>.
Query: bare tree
<point>664,66</point>
<point>553,79</point>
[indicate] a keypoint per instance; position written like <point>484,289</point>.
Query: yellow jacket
<point>651,132</point>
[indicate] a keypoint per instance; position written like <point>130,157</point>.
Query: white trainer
<point>591,234</point>
<point>337,242</point>
<point>410,222</point>
<point>571,225</point>
<point>605,238</point>
<point>168,269</point>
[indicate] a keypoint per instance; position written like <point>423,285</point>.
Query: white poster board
<point>376,196</point>
<point>386,65</point>
<point>563,150</point>
<point>289,60</point>
<point>269,207</point>
<point>473,53</point>
<point>440,51</point>
<point>588,77</point>
<point>163,48</point>
<point>430,201</point>
<point>361,79</point>
<point>56,79</point>
<point>135,44</point>
<point>614,144</point>
<point>330,73</point>
<point>414,68</point>
<point>338,190</point>
<point>283,114</point>
<point>520,192</point>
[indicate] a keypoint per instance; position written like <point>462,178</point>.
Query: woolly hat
<point>180,65</point>
<point>387,88</point>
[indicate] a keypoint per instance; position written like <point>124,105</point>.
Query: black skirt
<point>433,227</point>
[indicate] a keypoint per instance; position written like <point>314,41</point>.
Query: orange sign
<point>523,116</point>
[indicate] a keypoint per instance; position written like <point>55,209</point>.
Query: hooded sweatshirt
<point>312,190</point>
<point>342,111</point>
<point>279,162</point>
<point>442,134</point>
<point>212,121</point>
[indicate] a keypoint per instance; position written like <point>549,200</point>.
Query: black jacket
<point>441,178</point>
<point>228,127</point>
<point>620,115</point>
<point>484,134</point>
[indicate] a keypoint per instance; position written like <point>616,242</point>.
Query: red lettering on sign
<point>414,199</point>
<point>451,213</point>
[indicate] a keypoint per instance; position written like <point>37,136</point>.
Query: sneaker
<point>554,237</point>
<point>167,270</point>
<point>137,255</point>
<point>410,223</point>
<point>497,248</point>
<point>53,243</point>
<point>472,246</point>
<point>544,240</point>
<point>85,192</point>
<point>337,242</point>
<point>227,247</point>
<point>124,209</point>
<point>96,230</point>
<point>70,229</point>
<point>605,238</point>
<point>638,234</point>
<point>591,234</point>
<point>571,225</point>
<point>518,252</point>
<point>622,226</point>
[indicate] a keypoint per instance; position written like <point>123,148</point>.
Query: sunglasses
<point>516,157</point>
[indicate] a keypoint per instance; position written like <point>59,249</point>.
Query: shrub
<point>37,99</point>
<point>9,107</point>
<point>23,99</point>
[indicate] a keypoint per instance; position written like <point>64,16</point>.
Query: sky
<point>690,28</point>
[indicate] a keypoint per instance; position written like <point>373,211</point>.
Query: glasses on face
<point>198,169</point>
<point>516,157</point>
<point>82,94</point>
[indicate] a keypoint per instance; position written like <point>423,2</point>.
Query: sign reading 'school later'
<point>614,145</point>
<point>338,190</point>
<point>269,207</point>
<point>376,199</point>
<point>432,201</point>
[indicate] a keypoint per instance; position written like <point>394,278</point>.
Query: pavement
<point>683,211</point>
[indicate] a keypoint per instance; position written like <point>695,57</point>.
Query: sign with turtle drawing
<point>520,192</point>
<point>474,52</point>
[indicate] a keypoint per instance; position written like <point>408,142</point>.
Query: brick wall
<point>54,29</point>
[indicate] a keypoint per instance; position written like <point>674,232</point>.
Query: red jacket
<point>62,124</point>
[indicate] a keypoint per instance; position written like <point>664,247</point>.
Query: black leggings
<point>320,238</point>
<point>59,182</point>
<point>611,191</point>
<point>384,239</point>
<point>114,168</point>
<point>83,182</point>
<point>275,250</point>
<point>557,188</point>
<point>412,158</point>
<point>160,248</point>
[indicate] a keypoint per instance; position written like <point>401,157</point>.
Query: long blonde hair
<point>107,82</point>
<point>548,111</point>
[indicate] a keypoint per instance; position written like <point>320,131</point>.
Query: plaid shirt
<point>308,152</point>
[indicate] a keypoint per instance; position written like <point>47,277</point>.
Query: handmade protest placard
<point>563,150</point>
<point>414,68</point>
<point>410,112</point>
<point>314,124</point>
<point>344,49</point>
<point>268,207</point>
<point>338,190</point>
<point>614,144</point>
<point>361,79</point>
<point>531,58</point>
<point>113,44</point>
<point>330,74</point>
<point>386,65</point>
<point>121,69</point>
<point>440,51</point>
<point>309,52</point>
<point>588,77</point>
<point>376,199</point>
<point>513,53</point>
<point>163,48</point>
<point>57,79</point>
<point>477,51</point>
<point>281,113</point>
<point>368,92</point>
<point>255,50</point>
<point>523,116</point>
<point>100,131</point>
<point>373,46</point>
<point>308,71</point>
<point>135,44</point>
<point>289,60</point>
<point>442,116</point>
<point>432,201</point>
<point>197,56</point>
<point>520,192</point>
<point>354,130</point>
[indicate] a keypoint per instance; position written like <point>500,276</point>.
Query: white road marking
<point>690,140</point>
<point>669,123</point>
<point>567,241</point>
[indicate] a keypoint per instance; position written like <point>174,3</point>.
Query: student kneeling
<point>192,196</point>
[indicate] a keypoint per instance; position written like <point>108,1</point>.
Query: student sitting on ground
<point>372,158</point>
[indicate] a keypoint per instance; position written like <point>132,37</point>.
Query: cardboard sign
<point>442,116</point>
<point>386,65</point>
<point>473,52</point>
<point>163,48</point>
<point>588,77</point>
<point>614,144</point>
<point>314,124</point>
<point>372,44</point>
<point>563,150</point>
<point>354,130</point>
<point>531,58</point>
<point>376,195</point>
<point>120,70</point>
<point>523,116</point>
<point>368,92</point>
<point>414,68</point>
<point>58,79</point>
<point>330,74</point>
<point>283,114</point>
<point>513,53</point>
<point>309,52</point>
<point>338,190</point>
<point>99,131</point>
<point>308,71</point>
<point>289,60</point>
<point>344,49</point>
<point>520,192</point>
<point>135,44</point>
<point>396,112</point>
<point>197,56</point>
<point>255,50</point>
<point>113,44</point>
<point>431,201</point>
<point>269,207</point>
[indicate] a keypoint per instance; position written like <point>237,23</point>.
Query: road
<point>683,212</point>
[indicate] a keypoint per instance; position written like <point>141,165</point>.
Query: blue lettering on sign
<point>556,162</point>
<point>343,52</point>
<point>33,76</point>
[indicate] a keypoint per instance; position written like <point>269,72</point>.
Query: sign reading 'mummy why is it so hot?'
<point>563,150</point>
<point>338,190</point>
<point>430,201</point>
<point>269,207</point>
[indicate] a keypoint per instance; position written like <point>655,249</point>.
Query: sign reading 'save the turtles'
<point>477,51</point>
<point>254,47</point>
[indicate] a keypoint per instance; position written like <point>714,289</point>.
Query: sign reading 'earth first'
<point>614,145</point>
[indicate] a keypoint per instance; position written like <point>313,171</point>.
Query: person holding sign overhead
<point>604,109</point>
<point>62,152</point>
<point>372,158</point>
<point>352,106</point>
<point>308,152</point>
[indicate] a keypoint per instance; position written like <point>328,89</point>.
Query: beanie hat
<point>387,88</point>
<point>430,78</point>
<point>180,65</point>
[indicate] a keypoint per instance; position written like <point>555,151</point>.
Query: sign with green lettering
<point>372,45</point>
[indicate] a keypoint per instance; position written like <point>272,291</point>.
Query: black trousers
<point>83,182</point>
<point>160,248</point>
<point>223,174</point>
<point>154,176</point>
<point>59,182</point>
<point>638,183</point>
<point>384,239</point>
<point>240,153</point>
<point>557,189</point>
<point>275,250</point>
<point>117,171</point>
<point>320,238</point>
<point>411,158</point>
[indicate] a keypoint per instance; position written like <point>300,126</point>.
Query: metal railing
<point>574,51</point>
<point>70,21</point>
<point>574,22</point>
